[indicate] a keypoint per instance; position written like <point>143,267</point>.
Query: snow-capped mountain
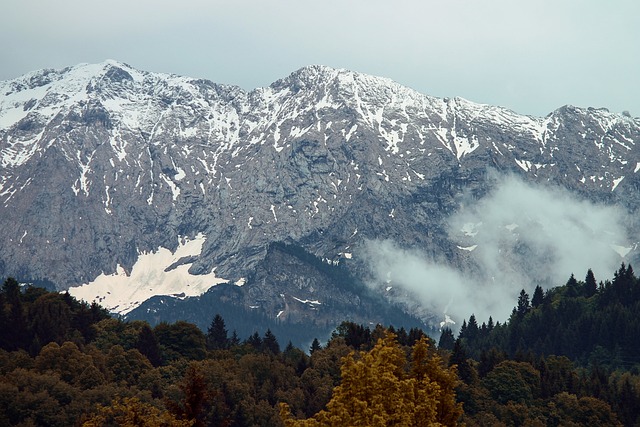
<point>103,167</point>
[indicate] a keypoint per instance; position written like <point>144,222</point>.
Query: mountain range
<point>145,191</point>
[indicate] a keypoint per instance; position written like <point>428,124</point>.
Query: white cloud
<point>525,236</point>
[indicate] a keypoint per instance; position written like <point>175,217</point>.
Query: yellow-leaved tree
<point>131,412</point>
<point>382,388</point>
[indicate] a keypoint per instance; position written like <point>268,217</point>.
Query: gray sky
<point>530,56</point>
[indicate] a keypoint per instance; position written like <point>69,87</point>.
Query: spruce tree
<point>270,343</point>
<point>217,334</point>
<point>523,304</point>
<point>149,346</point>
<point>590,285</point>
<point>315,346</point>
<point>538,297</point>
<point>472,329</point>
<point>447,340</point>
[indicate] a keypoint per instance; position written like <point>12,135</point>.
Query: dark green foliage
<point>315,346</point>
<point>254,341</point>
<point>99,359</point>
<point>181,339</point>
<point>572,321</point>
<point>538,297</point>
<point>217,338</point>
<point>356,336</point>
<point>459,357</point>
<point>227,301</point>
<point>513,381</point>
<point>148,345</point>
<point>270,343</point>
<point>50,318</point>
<point>590,286</point>
<point>447,340</point>
<point>569,358</point>
<point>33,317</point>
<point>523,304</point>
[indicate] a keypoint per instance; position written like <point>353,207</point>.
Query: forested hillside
<point>567,356</point>
<point>570,353</point>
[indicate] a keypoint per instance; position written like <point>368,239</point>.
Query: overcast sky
<point>530,56</point>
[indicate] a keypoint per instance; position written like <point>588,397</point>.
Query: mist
<point>516,237</point>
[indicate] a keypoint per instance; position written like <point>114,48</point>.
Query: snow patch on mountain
<point>621,250</point>
<point>153,274</point>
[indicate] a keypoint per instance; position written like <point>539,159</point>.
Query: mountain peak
<point>102,164</point>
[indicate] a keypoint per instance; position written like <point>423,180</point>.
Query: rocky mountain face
<point>102,163</point>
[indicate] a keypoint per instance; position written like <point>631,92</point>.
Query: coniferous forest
<point>565,357</point>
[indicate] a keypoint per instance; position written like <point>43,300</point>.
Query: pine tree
<point>217,334</point>
<point>16,329</point>
<point>459,358</point>
<point>270,343</point>
<point>472,330</point>
<point>490,324</point>
<point>234,340</point>
<point>538,297</point>
<point>149,346</point>
<point>590,284</point>
<point>523,304</point>
<point>463,330</point>
<point>447,340</point>
<point>572,286</point>
<point>315,346</point>
<point>255,341</point>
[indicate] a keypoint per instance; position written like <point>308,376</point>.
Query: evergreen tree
<point>315,346</point>
<point>15,332</point>
<point>472,329</point>
<point>234,340</point>
<point>538,297</point>
<point>590,284</point>
<point>217,334</point>
<point>50,318</point>
<point>270,343</point>
<point>459,359</point>
<point>255,341</point>
<point>523,304</point>
<point>490,324</point>
<point>572,287</point>
<point>11,290</point>
<point>148,345</point>
<point>463,330</point>
<point>447,340</point>
<point>415,335</point>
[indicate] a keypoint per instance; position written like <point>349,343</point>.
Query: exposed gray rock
<point>100,163</point>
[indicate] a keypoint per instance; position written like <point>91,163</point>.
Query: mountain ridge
<point>101,163</point>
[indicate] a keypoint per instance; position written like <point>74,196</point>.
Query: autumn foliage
<point>565,357</point>
<point>382,388</point>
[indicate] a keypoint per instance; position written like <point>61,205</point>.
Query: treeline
<point>33,317</point>
<point>64,362</point>
<point>589,323</point>
<point>228,300</point>
<point>568,354</point>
